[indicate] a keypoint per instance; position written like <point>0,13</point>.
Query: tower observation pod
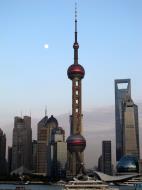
<point>76,143</point>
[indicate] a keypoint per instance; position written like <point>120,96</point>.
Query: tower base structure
<point>75,165</point>
<point>76,145</point>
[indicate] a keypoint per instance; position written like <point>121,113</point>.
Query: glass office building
<point>126,120</point>
<point>122,88</point>
<point>128,164</point>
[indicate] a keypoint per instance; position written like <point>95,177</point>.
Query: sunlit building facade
<point>58,153</point>
<point>22,143</point>
<point>130,128</point>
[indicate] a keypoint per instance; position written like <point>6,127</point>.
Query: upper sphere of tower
<point>75,71</point>
<point>76,45</point>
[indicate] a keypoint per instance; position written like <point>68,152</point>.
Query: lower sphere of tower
<point>75,71</point>
<point>76,143</point>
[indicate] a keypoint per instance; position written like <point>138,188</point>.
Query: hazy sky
<point>110,38</point>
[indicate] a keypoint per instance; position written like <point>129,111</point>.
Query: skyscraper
<point>9,159</point>
<point>106,157</point>
<point>122,88</point>
<point>42,141</point>
<point>75,142</point>
<point>34,156</point>
<point>58,153</point>
<point>126,120</point>
<point>22,143</point>
<point>130,128</point>
<point>45,127</point>
<point>2,153</point>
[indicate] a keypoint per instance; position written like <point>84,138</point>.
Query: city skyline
<point>29,78</point>
<point>111,32</point>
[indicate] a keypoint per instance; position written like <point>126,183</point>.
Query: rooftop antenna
<point>76,45</point>
<point>75,10</point>
<point>46,110</point>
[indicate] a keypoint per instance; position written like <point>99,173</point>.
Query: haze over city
<point>36,50</point>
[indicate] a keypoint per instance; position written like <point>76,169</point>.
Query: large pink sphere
<point>75,70</point>
<point>76,143</point>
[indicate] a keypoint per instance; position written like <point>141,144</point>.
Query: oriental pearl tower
<point>75,142</point>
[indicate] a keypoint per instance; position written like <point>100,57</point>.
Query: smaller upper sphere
<point>75,71</point>
<point>75,45</point>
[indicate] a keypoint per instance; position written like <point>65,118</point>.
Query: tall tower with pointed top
<point>75,142</point>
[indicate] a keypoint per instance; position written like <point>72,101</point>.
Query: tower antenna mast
<point>76,11</point>
<point>75,22</point>
<point>46,110</point>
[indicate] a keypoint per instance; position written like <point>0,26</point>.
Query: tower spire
<point>76,45</point>
<point>75,16</point>
<point>46,110</point>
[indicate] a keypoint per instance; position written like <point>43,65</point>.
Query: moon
<point>46,46</point>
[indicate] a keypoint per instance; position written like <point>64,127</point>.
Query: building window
<point>76,101</point>
<point>76,92</point>
<point>76,110</point>
<point>76,83</point>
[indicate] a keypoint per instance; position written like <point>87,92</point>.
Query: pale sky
<point>31,76</point>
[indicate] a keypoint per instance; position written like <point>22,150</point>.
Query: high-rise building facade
<point>22,143</point>
<point>42,140</point>
<point>58,156</point>
<point>126,115</point>
<point>75,142</point>
<point>130,128</point>
<point>9,159</point>
<point>34,156</point>
<point>106,157</point>
<point>100,164</point>
<point>45,127</point>
<point>2,153</point>
<point>122,89</point>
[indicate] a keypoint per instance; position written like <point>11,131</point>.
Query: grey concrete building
<point>9,159</point>
<point>106,157</point>
<point>59,159</point>
<point>2,153</point>
<point>130,128</point>
<point>22,143</point>
<point>45,127</point>
<point>34,156</point>
<point>42,141</point>
<point>58,156</point>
